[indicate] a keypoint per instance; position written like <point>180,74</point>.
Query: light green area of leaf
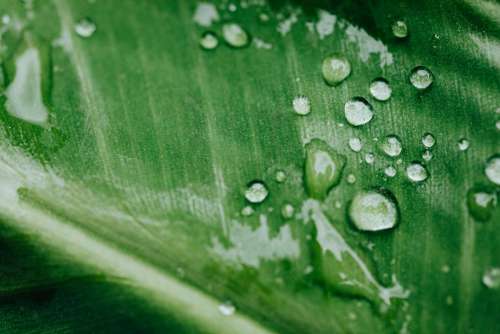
<point>121,212</point>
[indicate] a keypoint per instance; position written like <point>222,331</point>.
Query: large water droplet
<point>25,94</point>
<point>391,145</point>
<point>355,144</point>
<point>491,278</point>
<point>227,308</point>
<point>416,172</point>
<point>492,169</point>
<point>209,41</point>
<point>380,89</point>
<point>481,201</point>
<point>323,168</point>
<point>358,111</point>
<point>85,28</point>
<point>421,77</point>
<point>301,105</point>
<point>400,29</point>
<point>256,192</point>
<point>335,69</point>
<point>235,35</point>
<point>428,140</point>
<point>463,144</point>
<point>373,211</point>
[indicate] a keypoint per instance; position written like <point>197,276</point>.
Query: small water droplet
<point>351,179</point>
<point>400,29</point>
<point>256,192</point>
<point>463,144</point>
<point>287,211</point>
<point>391,145</point>
<point>85,28</point>
<point>481,201</point>
<point>301,105</point>
<point>421,77</point>
<point>427,155</point>
<point>492,169</point>
<point>449,300</point>
<point>280,176</point>
<point>497,125</point>
<point>355,144</point>
<point>227,308</point>
<point>323,168</point>
<point>374,211</point>
<point>390,171</point>
<point>445,269</point>
<point>370,158</point>
<point>235,35</point>
<point>247,211</point>
<point>428,140</point>
<point>416,172</point>
<point>380,89</point>
<point>209,41</point>
<point>358,111</point>
<point>335,69</point>
<point>232,7</point>
<point>5,19</point>
<point>263,17</point>
<point>491,278</point>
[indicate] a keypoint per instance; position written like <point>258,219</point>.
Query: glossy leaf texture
<point>126,149</point>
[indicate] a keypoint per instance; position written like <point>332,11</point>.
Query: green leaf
<point>125,153</point>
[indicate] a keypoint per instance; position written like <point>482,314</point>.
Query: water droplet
<point>492,169</point>
<point>427,155</point>
<point>491,278</point>
<point>390,171</point>
<point>358,111</point>
<point>445,269</point>
<point>335,69</point>
<point>227,308</point>
<point>280,176</point>
<point>351,179</point>
<point>256,192</point>
<point>370,158</point>
<point>323,168</point>
<point>497,124</point>
<point>247,211</point>
<point>400,29</point>
<point>428,140</point>
<point>391,145</point>
<point>263,17</point>
<point>463,144</point>
<point>374,211</point>
<point>232,7</point>
<point>235,35</point>
<point>380,89</point>
<point>25,94</point>
<point>449,300</point>
<point>85,28</point>
<point>287,211</point>
<point>209,41</point>
<point>301,105</point>
<point>421,77</point>
<point>416,172</point>
<point>355,144</point>
<point>481,201</point>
